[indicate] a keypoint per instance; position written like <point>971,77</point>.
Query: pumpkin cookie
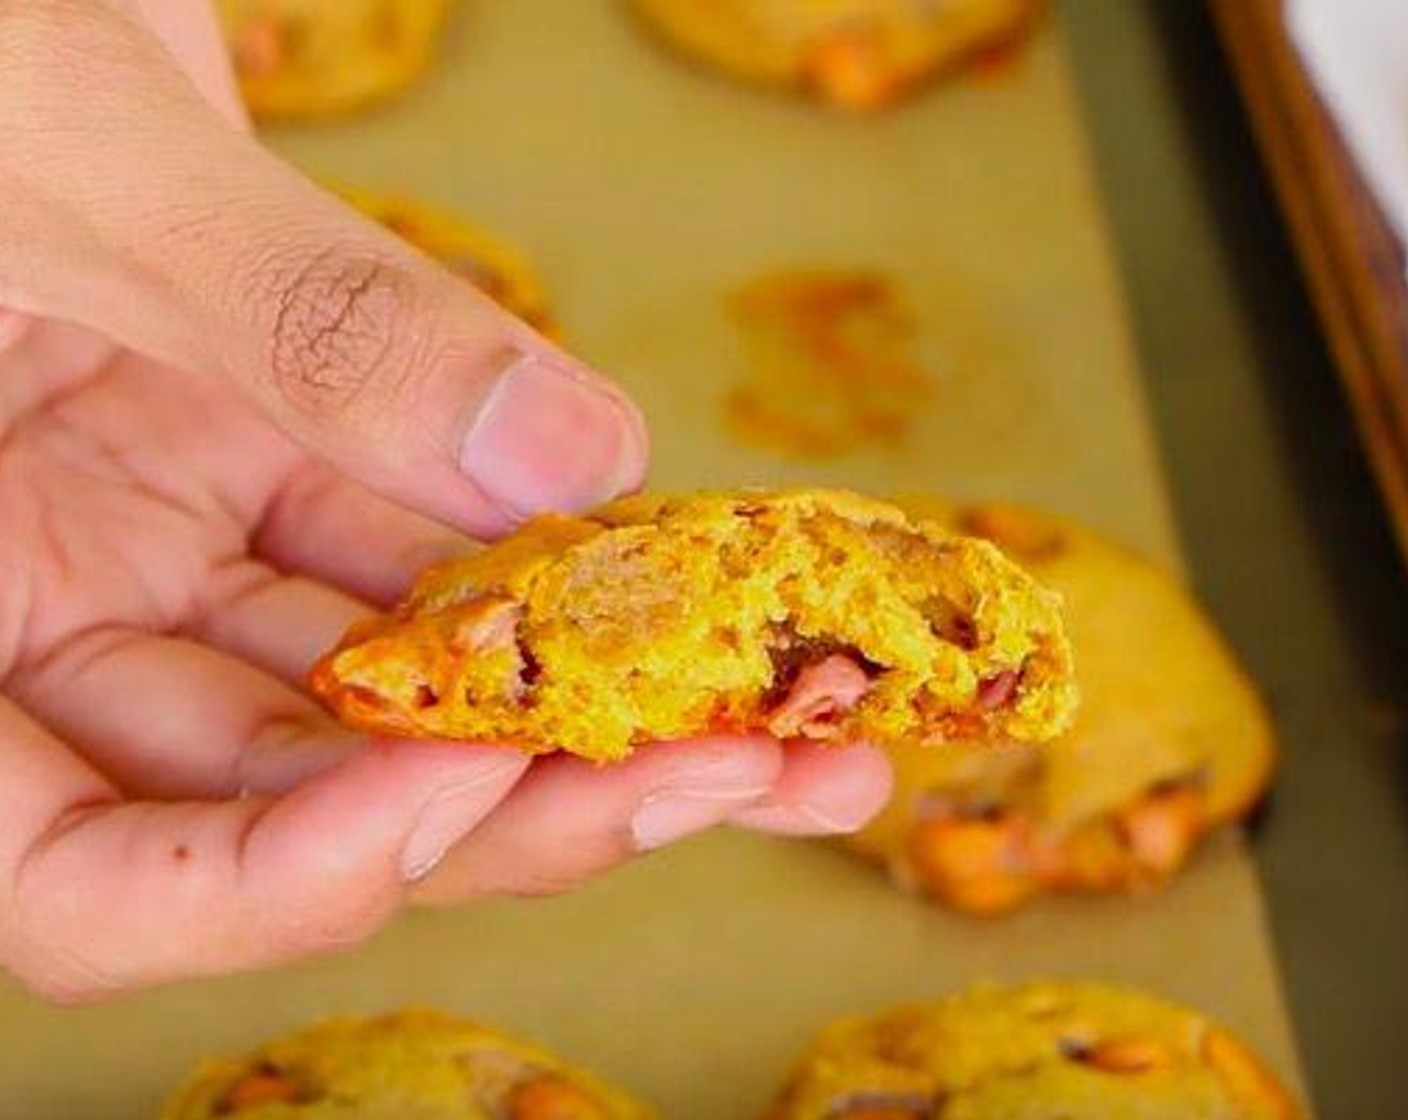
<point>858,54</point>
<point>1171,740</point>
<point>491,265</point>
<point>807,614</point>
<point>1050,1051</point>
<point>413,1065</point>
<point>312,58</point>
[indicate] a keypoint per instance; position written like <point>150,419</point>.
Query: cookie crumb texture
<point>413,1065</point>
<point>805,614</point>
<point>859,55</point>
<point>1171,741</point>
<point>311,58</point>
<point>492,265</point>
<point>1044,1051</point>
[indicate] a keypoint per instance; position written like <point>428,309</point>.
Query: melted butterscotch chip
<point>1016,531</point>
<point>552,1098</point>
<point>860,55</point>
<point>266,1083</point>
<point>311,58</point>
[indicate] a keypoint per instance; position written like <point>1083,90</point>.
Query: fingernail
<point>445,819</point>
<point>669,815</point>
<point>833,818</point>
<point>801,818</point>
<point>845,803</point>
<point>550,437</point>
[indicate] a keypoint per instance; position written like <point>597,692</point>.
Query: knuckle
<point>338,338</point>
<point>565,877</point>
<point>35,28</point>
<point>334,923</point>
<point>548,887</point>
<point>61,978</point>
<point>62,991</point>
<point>59,47</point>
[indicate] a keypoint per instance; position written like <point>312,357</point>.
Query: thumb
<point>128,204</point>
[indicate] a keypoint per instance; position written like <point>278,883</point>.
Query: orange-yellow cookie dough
<point>492,265</point>
<point>1170,741</point>
<point>858,54</point>
<point>806,613</point>
<point>312,58</point>
<point>1046,1051</point>
<point>413,1065</point>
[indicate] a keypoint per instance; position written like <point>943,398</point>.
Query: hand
<point>222,396</point>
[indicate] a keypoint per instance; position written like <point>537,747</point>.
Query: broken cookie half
<point>806,614</point>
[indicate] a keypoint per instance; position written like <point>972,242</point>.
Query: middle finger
<point>166,717</point>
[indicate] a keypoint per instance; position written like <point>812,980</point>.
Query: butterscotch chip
<point>310,58</point>
<point>1047,1051</point>
<point>491,264</point>
<point>412,1065</point>
<point>1171,741</point>
<point>856,54</point>
<point>553,1098</point>
<point>808,614</point>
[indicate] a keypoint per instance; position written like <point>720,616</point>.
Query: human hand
<point>234,416</point>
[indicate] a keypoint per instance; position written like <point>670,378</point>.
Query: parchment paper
<point>644,188</point>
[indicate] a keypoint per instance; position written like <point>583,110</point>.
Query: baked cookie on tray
<point>1170,741</point>
<point>857,54</point>
<point>412,1065</point>
<point>805,613</point>
<point>1044,1051</point>
<point>490,264</point>
<point>312,58</point>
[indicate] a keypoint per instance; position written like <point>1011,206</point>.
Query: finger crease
<point>76,653</point>
<point>232,582</point>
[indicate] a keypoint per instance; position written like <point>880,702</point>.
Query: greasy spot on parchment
<point>831,363</point>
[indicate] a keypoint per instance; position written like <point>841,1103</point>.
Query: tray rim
<point>1350,255</point>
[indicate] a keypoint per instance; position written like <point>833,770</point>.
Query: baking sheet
<point>1324,97</point>
<point>1357,54</point>
<point>645,189</point>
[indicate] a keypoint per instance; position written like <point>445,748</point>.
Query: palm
<point>152,519</point>
<point>170,565</point>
